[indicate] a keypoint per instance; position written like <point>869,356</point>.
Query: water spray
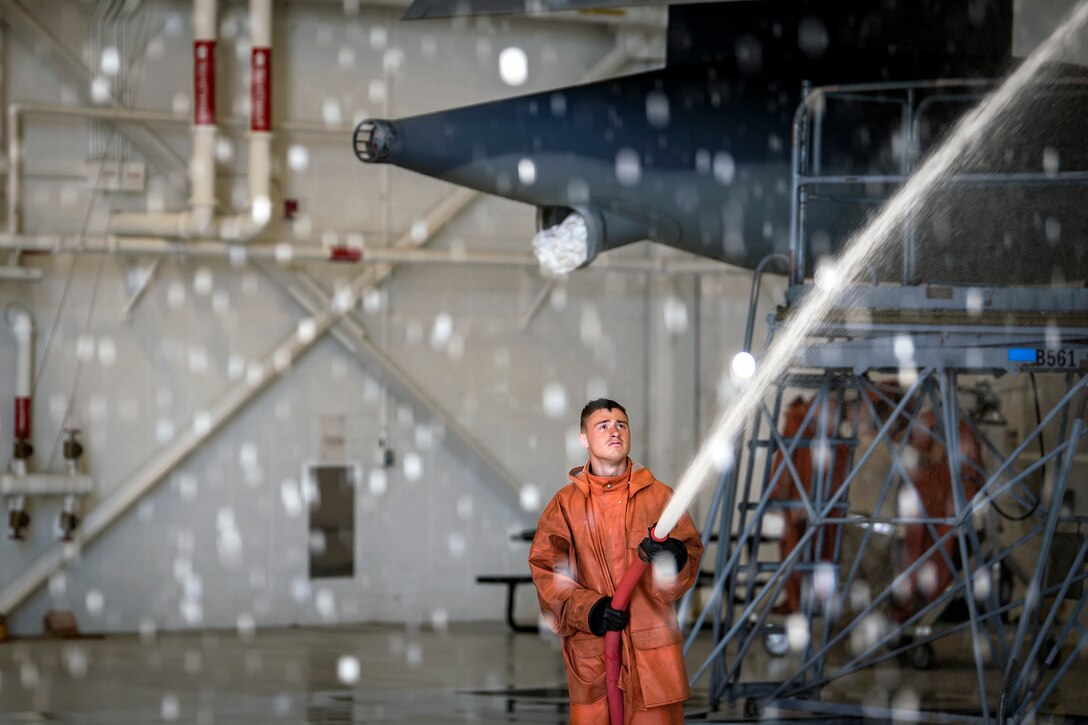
<point>715,454</point>
<point>858,252</point>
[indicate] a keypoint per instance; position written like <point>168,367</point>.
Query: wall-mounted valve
<point>69,518</point>
<point>18,518</point>
<point>73,449</point>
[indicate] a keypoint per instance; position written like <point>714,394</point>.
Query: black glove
<point>649,549</point>
<point>603,618</point>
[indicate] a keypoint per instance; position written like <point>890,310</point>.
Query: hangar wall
<point>222,542</point>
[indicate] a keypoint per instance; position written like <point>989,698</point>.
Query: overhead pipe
<point>116,115</point>
<point>200,220</point>
<point>308,252</point>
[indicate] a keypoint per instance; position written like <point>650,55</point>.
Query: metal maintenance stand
<point>905,357</point>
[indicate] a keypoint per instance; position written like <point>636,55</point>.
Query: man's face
<point>607,436</point>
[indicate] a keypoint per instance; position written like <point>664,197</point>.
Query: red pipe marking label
<point>345,254</point>
<point>260,114</point>
<point>204,82</point>
<point>22,418</point>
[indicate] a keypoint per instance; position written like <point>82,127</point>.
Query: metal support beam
<point>206,424</point>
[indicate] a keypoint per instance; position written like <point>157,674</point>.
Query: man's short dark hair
<point>599,404</point>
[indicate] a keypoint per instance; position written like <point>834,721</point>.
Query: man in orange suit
<point>588,536</point>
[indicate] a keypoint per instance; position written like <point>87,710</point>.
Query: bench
<point>512,583</point>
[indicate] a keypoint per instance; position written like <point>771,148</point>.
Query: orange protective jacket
<point>573,566</point>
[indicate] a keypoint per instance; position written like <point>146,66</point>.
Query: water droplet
<point>326,604</point>
<point>298,157</point>
<point>442,330</point>
<point>464,507</point>
<point>247,626</point>
<point>743,365</point>
<point>164,430</point>
<point>95,602</point>
<point>331,113</point>
<point>377,482</point>
<point>345,58</point>
<point>526,172</point>
<point>513,66</point>
<point>347,669</point>
<point>555,400</point>
<point>111,61</point>
<point>812,37</point>
<point>1051,161</point>
<point>797,632</point>
<point>440,620</point>
<point>171,708</point>
<point>724,167</point>
<point>100,90</point>
<point>628,167</point>
<point>530,497</point>
<point>657,109</point>
<point>456,544</point>
<point>676,315</point>
<point>413,467</point>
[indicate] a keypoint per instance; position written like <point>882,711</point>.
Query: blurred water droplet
<point>413,467</point>
<point>291,498</point>
<point>530,497</point>
<point>331,112</point>
<point>657,109</point>
<point>676,315</point>
<point>513,66</point>
<point>724,167</point>
<point>100,90</point>
<point>1053,230</point>
<point>743,365</point>
<point>440,620</point>
<point>95,602</point>
<point>442,330</point>
<point>456,544</point>
<point>377,482</point>
<point>797,632</point>
<point>464,507</point>
<point>526,172</point>
<point>298,157</point>
<point>555,400</point>
<point>246,625</point>
<point>1051,161</point>
<point>171,708</point>
<point>812,37</point>
<point>345,58</point>
<point>347,669</point>
<point>325,602</point>
<point>75,659</point>
<point>628,167</point>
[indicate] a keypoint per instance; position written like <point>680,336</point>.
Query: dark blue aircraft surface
<point>697,155</point>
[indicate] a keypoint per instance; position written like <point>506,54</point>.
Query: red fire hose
<point>612,639</point>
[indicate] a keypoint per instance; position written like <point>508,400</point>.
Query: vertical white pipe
<point>15,162</point>
<point>22,326</point>
<point>260,118</point>
<point>202,162</point>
